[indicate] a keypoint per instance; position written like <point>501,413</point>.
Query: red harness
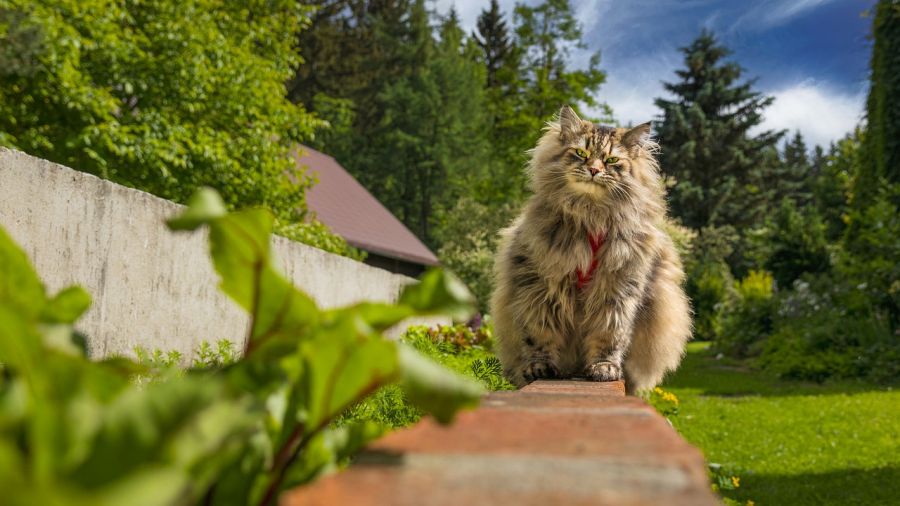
<point>596,243</point>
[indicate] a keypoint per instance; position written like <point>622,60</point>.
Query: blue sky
<point>811,55</point>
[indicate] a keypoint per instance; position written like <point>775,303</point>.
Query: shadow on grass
<point>701,371</point>
<point>845,487</point>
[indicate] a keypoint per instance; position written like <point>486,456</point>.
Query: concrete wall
<point>151,287</point>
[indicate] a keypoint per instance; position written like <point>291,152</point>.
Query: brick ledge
<point>552,442</point>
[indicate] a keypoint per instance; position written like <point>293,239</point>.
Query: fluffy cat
<point>587,282</point>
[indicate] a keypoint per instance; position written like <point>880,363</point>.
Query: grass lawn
<point>791,443</point>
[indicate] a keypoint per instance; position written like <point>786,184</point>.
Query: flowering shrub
<point>826,328</point>
<point>665,402</point>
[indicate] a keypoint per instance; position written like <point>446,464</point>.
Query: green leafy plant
<point>76,431</point>
<point>457,347</point>
<point>489,372</point>
<point>664,401</point>
<point>222,354</point>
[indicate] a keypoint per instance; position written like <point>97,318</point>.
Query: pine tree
<point>792,177</point>
<point>496,44</point>
<point>717,165</point>
<point>508,129</point>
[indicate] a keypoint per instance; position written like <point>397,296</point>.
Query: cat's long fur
<point>633,316</point>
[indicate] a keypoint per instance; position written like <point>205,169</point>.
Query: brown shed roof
<point>340,202</point>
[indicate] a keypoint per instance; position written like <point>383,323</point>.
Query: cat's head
<point>580,158</point>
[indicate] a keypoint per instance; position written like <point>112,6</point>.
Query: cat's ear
<point>570,125</point>
<point>636,135</point>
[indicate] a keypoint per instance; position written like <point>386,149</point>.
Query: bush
<point>709,286</point>
<point>796,244</point>
<point>317,234</point>
<point>747,318</point>
<point>826,328</point>
<point>468,235</point>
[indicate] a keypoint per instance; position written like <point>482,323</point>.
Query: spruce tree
<point>717,165</point>
<point>496,44</point>
<point>508,128</point>
<point>792,177</point>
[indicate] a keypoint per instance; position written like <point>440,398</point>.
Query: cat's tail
<point>662,329</point>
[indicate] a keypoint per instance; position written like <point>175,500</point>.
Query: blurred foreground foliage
<point>226,431</point>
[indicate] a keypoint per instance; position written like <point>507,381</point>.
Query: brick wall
<point>559,442</point>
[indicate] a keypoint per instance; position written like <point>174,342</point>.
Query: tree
<point>796,242</point>
<point>882,145</point>
<point>872,235</point>
<point>717,165</point>
<point>792,177</point>
<point>831,182</point>
<point>405,103</point>
<point>161,96</point>
<point>496,44</point>
<point>434,121</point>
<point>548,34</point>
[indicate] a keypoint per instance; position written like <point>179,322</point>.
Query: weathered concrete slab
<point>151,287</point>
<point>556,442</point>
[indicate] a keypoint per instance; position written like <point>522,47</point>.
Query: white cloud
<point>820,113</point>
<point>772,13</point>
<point>632,86</point>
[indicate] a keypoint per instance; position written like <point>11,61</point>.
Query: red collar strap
<point>596,242</point>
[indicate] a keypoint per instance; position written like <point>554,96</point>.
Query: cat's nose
<point>595,167</point>
<point>594,171</point>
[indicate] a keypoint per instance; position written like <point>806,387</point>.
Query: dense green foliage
<point>76,431</point>
<point>788,442</point>
<point>794,264</point>
<point>163,96</point>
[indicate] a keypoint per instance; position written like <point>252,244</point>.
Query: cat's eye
<point>611,160</point>
<point>582,153</point>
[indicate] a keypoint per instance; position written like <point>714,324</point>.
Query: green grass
<point>791,443</point>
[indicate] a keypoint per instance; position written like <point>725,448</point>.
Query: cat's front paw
<point>539,369</point>
<point>604,371</point>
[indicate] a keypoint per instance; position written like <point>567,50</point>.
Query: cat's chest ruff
<point>596,242</point>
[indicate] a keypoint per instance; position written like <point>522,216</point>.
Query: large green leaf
<point>439,292</point>
<point>66,306</point>
<point>241,252</point>
<point>204,206</point>
<point>177,423</point>
<point>344,363</point>
<point>20,287</point>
